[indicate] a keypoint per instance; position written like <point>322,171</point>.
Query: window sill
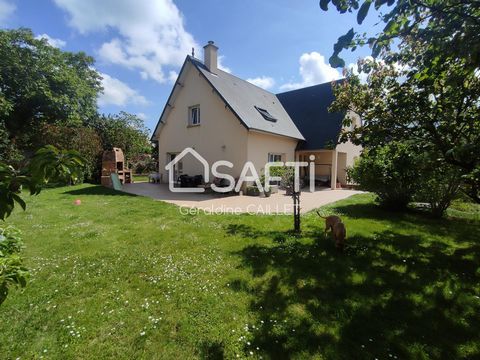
<point>192,125</point>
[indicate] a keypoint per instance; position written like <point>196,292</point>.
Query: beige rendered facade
<point>219,136</point>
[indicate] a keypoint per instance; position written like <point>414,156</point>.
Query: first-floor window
<point>274,157</point>
<point>194,115</point>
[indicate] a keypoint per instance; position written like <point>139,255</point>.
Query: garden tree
<point>287,175</point>
<point>41,84</point>
<point>447,29</point>
<point>8,150</point>
<point>143,163</point>
<point>82,139</point>
<point>125,131</point>
<point>426,86</point>
<point>394,104</point>
<point>48,164</point>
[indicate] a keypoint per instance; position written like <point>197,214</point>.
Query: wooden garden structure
<point>113,162</point>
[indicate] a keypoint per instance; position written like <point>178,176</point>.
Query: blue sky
<point>140,45</point>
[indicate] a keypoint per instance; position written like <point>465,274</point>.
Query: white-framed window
<point>273,157</point>
<point>194,115</point>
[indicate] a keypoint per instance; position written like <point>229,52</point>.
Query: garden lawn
<point>140,178</point>
<point>128,277</point>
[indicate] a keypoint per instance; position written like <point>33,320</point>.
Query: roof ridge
<point>311,86</point>
<point>232,75</point>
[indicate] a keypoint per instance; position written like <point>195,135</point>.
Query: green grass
<point>140,178</point>
<point>127,277</point>
<point>465,209</point>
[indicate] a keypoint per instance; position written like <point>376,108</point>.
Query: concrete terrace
<point>218,203</point>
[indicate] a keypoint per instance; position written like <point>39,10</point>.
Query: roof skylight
<point>266,115</point>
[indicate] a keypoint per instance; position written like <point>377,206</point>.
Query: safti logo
<point>171,164</point>
<point>248,167</point>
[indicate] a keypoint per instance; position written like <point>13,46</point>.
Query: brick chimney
<point>210,57</point>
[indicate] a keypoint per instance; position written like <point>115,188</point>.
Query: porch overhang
<point>326,165</point>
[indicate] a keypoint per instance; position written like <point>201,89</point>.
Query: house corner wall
<point>261,144</point>
<point>348,153</point>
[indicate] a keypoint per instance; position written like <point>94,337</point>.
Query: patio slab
<point>235,204</point>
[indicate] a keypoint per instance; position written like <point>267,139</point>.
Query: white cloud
<point>313,70</point>
<point>172,76</point>
<point>151,36</point>
<point>264,82</point>
<point>362,76</point>
<point>6,10</point>
<point>221,66</point>
<point>58,43</point>
<point>116,92</point>
<point>142,116</point>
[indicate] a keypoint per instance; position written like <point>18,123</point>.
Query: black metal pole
<point>296,211</point>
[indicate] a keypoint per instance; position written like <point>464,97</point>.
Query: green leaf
<point>376,50</point>
<point>362,13</point>
<point>324,4</point>
<point>20,201</point>
<point>379,3</point>
<point>343,41</point>
<point>336,61</point>
<point>22,281</point>
<point>392,26</point>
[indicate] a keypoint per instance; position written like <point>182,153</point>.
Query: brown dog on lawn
<point>330,221</point>
<point>339,232</point>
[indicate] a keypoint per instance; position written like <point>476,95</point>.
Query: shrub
<point>287,175</point>
<point>439,183</point>
<point>391,172</point>
<point>12,273</point>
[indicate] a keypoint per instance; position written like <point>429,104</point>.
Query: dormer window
<point>194,115</point>
<point>266,115</point>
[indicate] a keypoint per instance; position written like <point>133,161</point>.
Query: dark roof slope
<point>308,108</point>
<point>257,108</point>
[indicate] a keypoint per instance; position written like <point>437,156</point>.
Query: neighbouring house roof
<point>255,107</point>
<point>308,108</point>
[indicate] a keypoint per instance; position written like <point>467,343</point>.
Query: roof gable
<point>171,98</point>
<point>308,108</point>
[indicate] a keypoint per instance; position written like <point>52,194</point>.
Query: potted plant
<point>252,191</point>
<point>288,178</point>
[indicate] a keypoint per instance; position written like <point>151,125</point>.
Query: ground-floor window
<point>177,168</point>
<point>272,157</point>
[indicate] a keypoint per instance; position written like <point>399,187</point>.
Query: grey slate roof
<point>242,97</point>
<point>308,108</point>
